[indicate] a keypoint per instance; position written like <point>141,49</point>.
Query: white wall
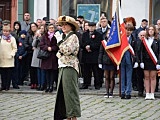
<point>39,9</point>
<point>54,9</point>
<point>138,9</point>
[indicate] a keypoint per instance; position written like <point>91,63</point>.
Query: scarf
<point>50,35</point>
<point>7,37</point>
<point>65,37</point>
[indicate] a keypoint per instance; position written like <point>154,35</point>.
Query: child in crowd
<point>20,55</point>
<point>126,66</point>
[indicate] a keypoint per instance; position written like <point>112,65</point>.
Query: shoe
<point>16,87</point>
<point>140,94</point>
<point>2,89</point>
<point>128,96</point>
<point>35,86</point>
<point>84,87</point>
<point>51,90</point>
<point>32,86</point>
<point>6,89</point>
<point>147,96</point>
<point>110,95</point>
<point>152,96</point>
<point>106,96</point>
<point>135,88</point>
<point>47,90</point>
<point>123,96</point>
<point>97,88</point>
<point>42,88</point>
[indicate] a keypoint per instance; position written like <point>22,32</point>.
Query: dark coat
<point>103,33</point>
<point>52,61</point>
<point>28,43</point>
<point>103,57</point>
<point>156,49</point>
<point>94,41</point>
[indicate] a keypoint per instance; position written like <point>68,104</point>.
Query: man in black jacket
<point>91,41</point>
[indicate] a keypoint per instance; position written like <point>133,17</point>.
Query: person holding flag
<point>150,60</point>
<point>126,66</point>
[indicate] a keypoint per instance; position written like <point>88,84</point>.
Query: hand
<point>135,65</point>
<point>142,65</point>
<point>118,67</point>
<point>88,48</point>
<point>20,57</point>
<point>158,67</point>
<point>100,66</point>
<point>49,49</point>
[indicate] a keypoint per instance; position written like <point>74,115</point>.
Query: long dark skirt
<point>67,100</point>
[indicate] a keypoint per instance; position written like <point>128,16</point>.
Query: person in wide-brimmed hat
<point>67,19</point>
<point>67,102</point>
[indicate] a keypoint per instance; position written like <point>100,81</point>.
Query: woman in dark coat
<point>50,65</point>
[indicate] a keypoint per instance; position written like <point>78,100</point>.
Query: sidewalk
<point>25,89</point>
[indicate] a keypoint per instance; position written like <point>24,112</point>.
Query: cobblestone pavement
<point>94,107</point>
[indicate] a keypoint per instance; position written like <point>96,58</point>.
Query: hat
<point>23,32</point>
<point>144,20</point>
<point>67,19</point>
<point>91,24</point>
<point>45,18</point>
<point>5,22</point>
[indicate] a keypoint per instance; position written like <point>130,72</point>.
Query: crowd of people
<point>21,44</point>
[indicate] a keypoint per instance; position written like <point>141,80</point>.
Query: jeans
<point>41,76</point>
<point>126,78</point>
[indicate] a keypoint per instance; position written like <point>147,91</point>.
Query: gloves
<point>100,66</point>
<point>118,67</point>
<point>158,67</point>
<point>142,65</point>
<point>135,65</point>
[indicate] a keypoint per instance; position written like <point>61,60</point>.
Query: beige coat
<point>8,48</point>
<point>68,51</point>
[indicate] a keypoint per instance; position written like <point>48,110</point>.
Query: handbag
<point>43,54</point>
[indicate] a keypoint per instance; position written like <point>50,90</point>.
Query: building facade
<point>14,9</point>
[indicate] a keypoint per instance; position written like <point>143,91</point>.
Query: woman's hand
<point>49,49</point>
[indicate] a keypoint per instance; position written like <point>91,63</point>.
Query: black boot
<point>42,88</point>
<point>39,87</point>
<point>47,90</point>
<point>51,89</point>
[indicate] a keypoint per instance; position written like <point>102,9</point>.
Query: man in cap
<point>91,41</point>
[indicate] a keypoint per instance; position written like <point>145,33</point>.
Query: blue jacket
<point>21,48</point>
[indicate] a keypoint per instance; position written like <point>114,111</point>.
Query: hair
<point>72,26</point>
<point>45,29</point>
<point>130,19</point>
<point>50,24</point>
<point>155,31</point>
<point>79,21</point>
<point>80,16</point>
<point>17,22</point>
<point>38,19</point>
<point>6,28</point>
<point>30,31</point>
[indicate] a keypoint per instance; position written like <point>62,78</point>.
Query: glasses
<point>50,27</point>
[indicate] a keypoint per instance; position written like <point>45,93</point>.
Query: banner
<point>117,43</point>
